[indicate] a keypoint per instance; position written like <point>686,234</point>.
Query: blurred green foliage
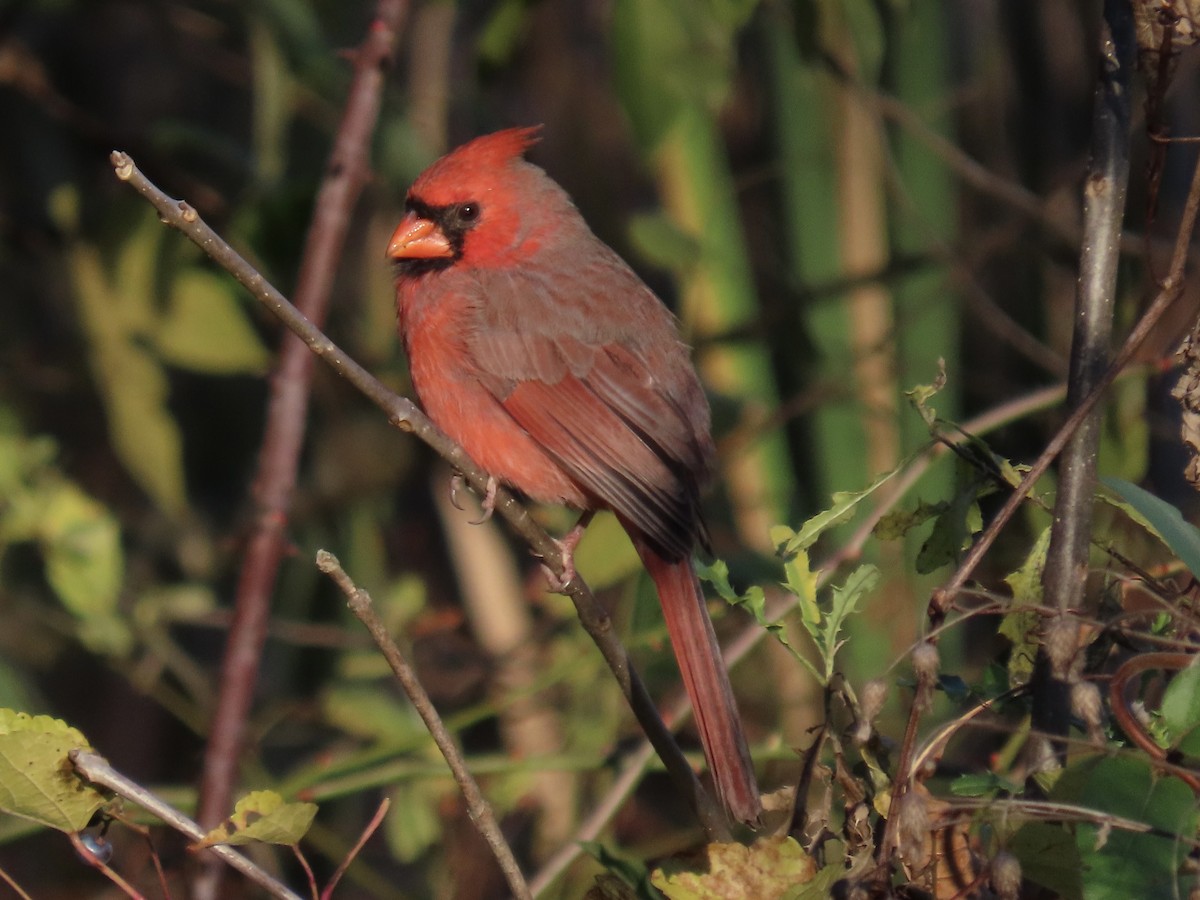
<point>787,174</point>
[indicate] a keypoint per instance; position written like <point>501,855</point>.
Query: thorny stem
<point>403,414</point>
<point>283,438</point>
<point>478,808</point>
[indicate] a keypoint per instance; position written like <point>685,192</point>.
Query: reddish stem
<point>287,410</point>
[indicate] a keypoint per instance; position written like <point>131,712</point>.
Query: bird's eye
<point>468,213</point>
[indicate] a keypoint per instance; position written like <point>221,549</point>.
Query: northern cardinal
<point>537,349</point>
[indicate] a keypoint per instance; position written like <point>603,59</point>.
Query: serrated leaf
<point>768,868</point>
<point>754,601</point>
<point>1162,520</point>
<point>840,510</point>
<point>845,602</point>
<point>1180,711</point>
<point>206,329</point>
<point>37,781</point>
<point>262,817</point>
<point>921,394</point>
<point>1022,622</point>
<point>802,584</point>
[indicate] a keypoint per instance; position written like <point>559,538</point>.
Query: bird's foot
<point>488,502</point>
<point>566,548</point>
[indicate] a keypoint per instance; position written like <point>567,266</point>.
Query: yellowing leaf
<point>206,329</point>
<point>1022,621</point>
<point>262,816</point>
<point>37,781</point>
<point>769,869</point>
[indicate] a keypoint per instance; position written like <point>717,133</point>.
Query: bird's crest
<point>501,146</point>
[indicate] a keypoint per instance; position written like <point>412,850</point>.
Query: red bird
<point>537,349</point>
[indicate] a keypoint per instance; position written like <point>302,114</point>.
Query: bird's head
<point>481,204</point>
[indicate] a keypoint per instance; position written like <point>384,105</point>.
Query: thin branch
<point>95,768</point>
<point>89,857</point>
<point>403,414</point>
<point>283,437</point>
<point>478,808</point>
<point>372,826</point>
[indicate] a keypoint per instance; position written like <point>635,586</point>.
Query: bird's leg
<point>488,502</point>
<point>566,546</point>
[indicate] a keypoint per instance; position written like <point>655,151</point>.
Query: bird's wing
<point>608,391</point>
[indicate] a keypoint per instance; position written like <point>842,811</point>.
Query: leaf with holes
<point>264,817</point>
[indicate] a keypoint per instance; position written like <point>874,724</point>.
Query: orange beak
<point>418,238</point>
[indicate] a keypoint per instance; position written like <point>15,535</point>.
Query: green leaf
<point>37,781</point>
<point>632,872</point>
<point>81,543</point>
<point>1021,624</point>
<point>754,601</point>
<point>206,329</point>
<point>920,395</point>
<point>900,522</point>
<point>1049,858</point>
<point>771,867</point>
<point>845,602</point>
<point>1180,711</point>
<point>117,313</point>
<point>1161,519</point>
<point>841,510</point>
<point>1118,864</point>
<point>955,524</point>
<point>987,784</point>
<point>413,824</point>
<point>262,817</point>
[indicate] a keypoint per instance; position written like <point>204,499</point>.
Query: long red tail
<point>707,683</point>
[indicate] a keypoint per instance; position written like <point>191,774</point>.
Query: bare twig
<point>1103,213</point>
<point>403,414</point>
<point>17,889</point>
<point>86,854</point>
<point>372,826</point>
<point>96,769</point>
<point>478,808</point>
<point>279,455</point>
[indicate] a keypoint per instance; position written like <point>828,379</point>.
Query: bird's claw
<point>487,502</point>
<point>457,483</point>
<point>566,549</point>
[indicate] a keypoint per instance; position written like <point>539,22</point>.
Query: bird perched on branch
<point>537,349</point>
